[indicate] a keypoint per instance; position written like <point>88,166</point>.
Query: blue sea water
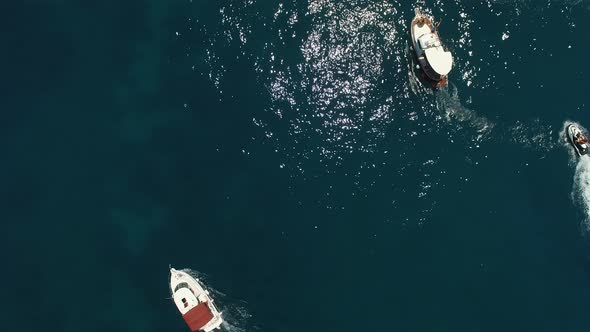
<point>287,151</point>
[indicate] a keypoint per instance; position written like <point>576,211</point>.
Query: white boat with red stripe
<point>193,302</point>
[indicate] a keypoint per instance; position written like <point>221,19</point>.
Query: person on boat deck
<point>435,27</point>
<point>581,139</point>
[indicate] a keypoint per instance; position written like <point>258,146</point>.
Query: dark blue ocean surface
<point>288,151</point>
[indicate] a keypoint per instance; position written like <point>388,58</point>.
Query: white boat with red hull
<point>436,62</point>
<point>193,302</point>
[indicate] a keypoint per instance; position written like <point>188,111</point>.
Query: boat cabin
<point>429,40</point>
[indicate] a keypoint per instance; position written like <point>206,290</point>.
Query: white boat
<point>577,139</point>
<point>434,59</point>
<point>193,302</point>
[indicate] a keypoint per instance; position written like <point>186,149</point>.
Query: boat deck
<point>421,29</point>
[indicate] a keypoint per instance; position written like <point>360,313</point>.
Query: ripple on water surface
<point>343,99</point>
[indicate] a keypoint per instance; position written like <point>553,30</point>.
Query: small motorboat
<point>193,302</point>
<point>436,62</point>
<point>577,139</point>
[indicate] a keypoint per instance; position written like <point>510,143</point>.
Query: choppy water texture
<point>340,84</point>
<point>288,150</point>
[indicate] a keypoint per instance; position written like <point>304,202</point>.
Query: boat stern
<point>214,323</point>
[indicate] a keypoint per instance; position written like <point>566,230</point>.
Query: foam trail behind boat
<point>533,135</point>
<point>581,191</point>
<point>448,102</point>
<point>236,317</point>
<point>581,188</point>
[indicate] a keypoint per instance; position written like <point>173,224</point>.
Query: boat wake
<point>236,317</point>
<point>533,135</point>
<point>449,104</point>
<point>343,96</point>
<point>581,189</point>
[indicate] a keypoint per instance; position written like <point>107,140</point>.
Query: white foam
<point>581,189</point>
<point>581,186</point>
<point>448,102</point>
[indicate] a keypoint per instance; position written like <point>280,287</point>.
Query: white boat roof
<point>439,59</point>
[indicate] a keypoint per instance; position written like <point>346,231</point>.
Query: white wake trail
<point>581,187</point>
<point>451,108</point>
<point>581,190</point>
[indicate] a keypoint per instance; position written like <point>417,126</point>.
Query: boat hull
<point>572,132</point>
<point>193,302</point>
<point>419,26</point>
